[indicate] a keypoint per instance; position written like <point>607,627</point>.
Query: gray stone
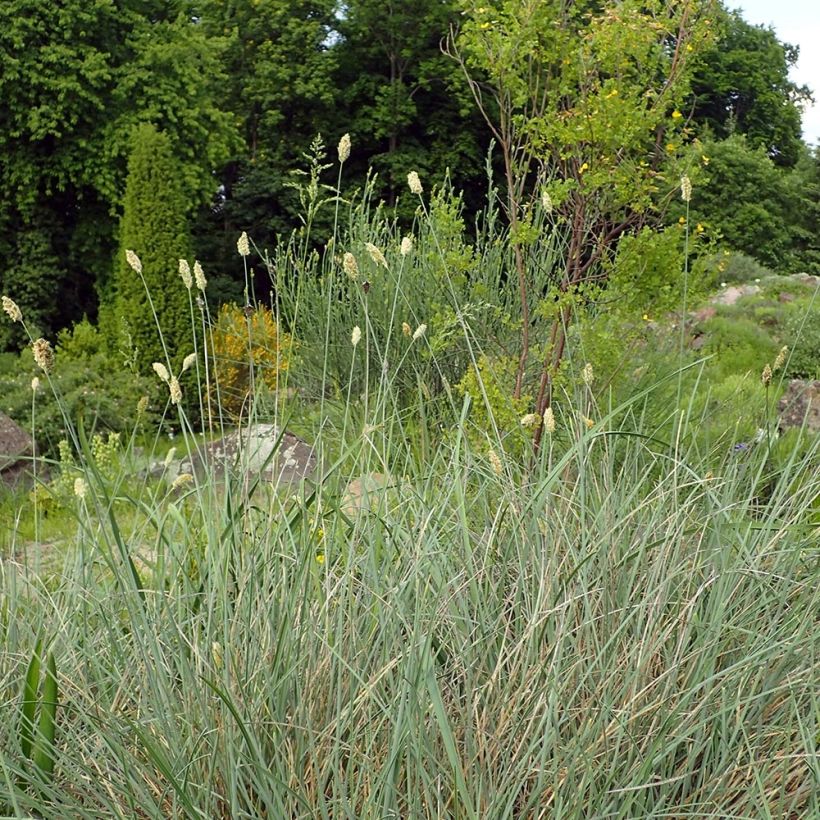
<point>253,451</point>
<point>16,451</point>
<point>800,404</point>
<point>730,295</point>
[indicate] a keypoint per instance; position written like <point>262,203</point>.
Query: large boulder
<point>279,457</point>
<point>16,452</point>
<point>800,404</point>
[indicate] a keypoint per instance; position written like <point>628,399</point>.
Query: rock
<point>730,295</point>
<point>252,451</point>
<point>806,279</point>
<point>370,491</point>
<point>16,451</point>
<point>800,404</point>
<point>704,314</point>
<point>785,296</point>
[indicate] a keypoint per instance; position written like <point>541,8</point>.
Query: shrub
<point>803,338</point>
<point>242,338</point>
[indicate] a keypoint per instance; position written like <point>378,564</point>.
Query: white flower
<point>133,260</point>
<point>419,332</point>
<point>161,370</point>
<point>414,183</point>
<point>356,336</point>
<point>344,148</point>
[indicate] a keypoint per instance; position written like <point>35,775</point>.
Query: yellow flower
<point>671,147</point>
<point>584,167</point>
<point>682,220</point>
<point>705,160</point>
<point>589,422</point>
<point>699,228</point>
<point>676,115</point>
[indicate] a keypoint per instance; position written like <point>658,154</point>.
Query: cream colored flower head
<point>182,480</point>
<point>43,354</point>
<point>350,266</point>
<point>162,371</point>
<point>685,188</point>
<point>80,487</point>
<point>406,329</point>
<point>199,277</point>
<point>530,420</point>
<point>414,183</point>
<point>495,462</point>
<point>546,201</point>
<point>35,384</point>
<point>781,358</point>
<point>549,420</point>
<point>344,148</point>
<point>588,422</point>
<point>419,332</point>
<point>185,273</point>
<point>406,245</point>
<point>10,307</point>
<point>188,361</point>
<point>375,254</point>
<point>243,246</point>
<point>175,390</point>
<point>356,336</point>
<point>142,405</point>
<point>587,375</point>
<point>766,376</point>
<point>133,261</point>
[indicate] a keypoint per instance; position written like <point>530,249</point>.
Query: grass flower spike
<point>43,354</point>
<point>10,307</point>
<point>766,376</point>
<point>530,420</point>
<point>685,188</point>
<point>344,148</point>
<point>175,390</point>
<point>419,332</point>
<point>162,371</point>
<point>375,254</point>
<point>356,336</point>
<point>199,277</point>
<point>242,245</point>
<point>185,273</point>
<point>406,329</point>
<point>587,375</point>
<point>406,245</point>
<point>350,266</point>
<point>133,261</point>
<point>188,361</point>
<point>781,358</point>
<point>414,183</point>
<point>549,420</point>
<point>35,384</point>
<point>80,487</point>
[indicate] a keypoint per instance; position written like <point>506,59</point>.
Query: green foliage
<point>746,202</point>
<point>742,86</point>
<point>76,79</point>
<point>802,335</point>
<point>154,227</point>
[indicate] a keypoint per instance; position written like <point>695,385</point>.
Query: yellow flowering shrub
<point>241,337</point>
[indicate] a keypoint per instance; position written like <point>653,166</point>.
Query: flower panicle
<point>12,310</point>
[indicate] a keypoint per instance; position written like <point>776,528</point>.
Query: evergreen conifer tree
<point>154,226</point>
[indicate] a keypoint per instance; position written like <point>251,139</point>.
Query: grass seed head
<point>11,308</point>
<point>344,148</point>
<point>43,354</point>
<point>406,245</point>
<point>161,370</point>
<point>199,277</point>
<point>766,375</point>
<point>175,390</point>
<point>549,420</point>
<point>685,188</point>
<point>414,183</point>
<point>350,266</point>
<point>242,245</point>
<point>356,336</point>
<point>375,254</point>
<point>530,420</point>
<point>419,332</point>
<point>781,358</point>
<point>185,273</point>
<point>133,261</point>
